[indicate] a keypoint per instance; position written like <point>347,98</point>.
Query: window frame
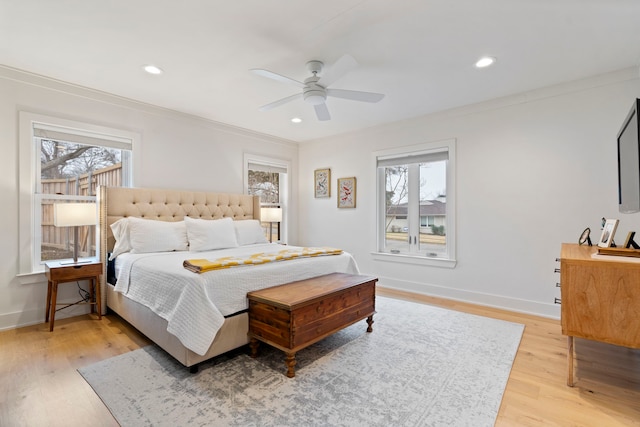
<point>285,184</point>
<point>448,260</point>
<point>30,200</point>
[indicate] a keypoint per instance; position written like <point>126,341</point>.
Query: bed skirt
<point>232,334</point>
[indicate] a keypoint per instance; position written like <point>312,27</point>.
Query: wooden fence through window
<point>61,238</point>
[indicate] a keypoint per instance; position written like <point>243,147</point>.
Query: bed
<point>192,316</point>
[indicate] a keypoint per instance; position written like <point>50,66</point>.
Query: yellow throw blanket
<point>203,265</point>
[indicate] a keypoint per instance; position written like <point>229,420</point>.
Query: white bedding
<point>194,305</point>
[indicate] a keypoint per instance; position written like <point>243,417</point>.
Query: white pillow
<point>120,230</point>
<point>249,232</point>
<point>208,234</point>
<point>148,235</point>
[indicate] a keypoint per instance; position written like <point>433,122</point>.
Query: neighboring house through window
<point>416,203</point>
<point>63,161</point>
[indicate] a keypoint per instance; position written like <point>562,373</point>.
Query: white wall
<point>177,151</point>
<point>533,171</point>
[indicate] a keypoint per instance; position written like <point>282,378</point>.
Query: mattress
<point>195,305</point>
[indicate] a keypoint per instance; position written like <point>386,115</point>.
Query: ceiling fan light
<point>315,97</point>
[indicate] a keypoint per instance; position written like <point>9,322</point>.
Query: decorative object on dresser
<point>630,242</point>
<point>609,227</point>
<point>57,272</point>
<point>600,298</point>
<point>347,192</point>
<point>295,315</point>
<point>585,238</point>
<point>74,215</point>
<point>322,183</point>
<point>271,215</point>
<point>423,365</point>
<point>618,252</point>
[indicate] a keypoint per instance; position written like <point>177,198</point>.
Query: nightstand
<point>61,273</point>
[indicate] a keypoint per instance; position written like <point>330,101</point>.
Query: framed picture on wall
<point>608,231</point>
<point>322,182</point>
<point>347,192</point>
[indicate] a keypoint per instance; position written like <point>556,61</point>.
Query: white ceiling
<point>420,53</point>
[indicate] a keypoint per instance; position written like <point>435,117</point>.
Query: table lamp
<point>74,215</point>
<point>271,215</point>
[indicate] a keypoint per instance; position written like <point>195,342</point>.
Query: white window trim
<point>284,192</point>
<point>450,260</point>
<point>27,176</point>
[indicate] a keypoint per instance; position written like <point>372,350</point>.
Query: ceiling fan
<point>315,89</point>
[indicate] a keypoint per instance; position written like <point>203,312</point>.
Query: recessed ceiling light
<point>152,69</point>
<point>296,120</point>
<point>485,61</point>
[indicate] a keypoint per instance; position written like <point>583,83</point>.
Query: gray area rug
<point>421,366</point>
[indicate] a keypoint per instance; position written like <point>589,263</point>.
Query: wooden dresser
<point>298,314</point>
<point>600,298</point>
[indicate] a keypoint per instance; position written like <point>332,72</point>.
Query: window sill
<point>414,259</point>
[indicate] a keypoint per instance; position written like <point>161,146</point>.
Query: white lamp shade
<point>271,215</point>
<point>74,214</point>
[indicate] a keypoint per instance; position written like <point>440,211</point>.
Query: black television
<point>629,162</point>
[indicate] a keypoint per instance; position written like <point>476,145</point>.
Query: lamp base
<point>75,250</point>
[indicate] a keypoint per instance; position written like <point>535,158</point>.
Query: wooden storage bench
<point>295,315</point>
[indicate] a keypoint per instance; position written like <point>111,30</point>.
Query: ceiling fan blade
<point>275,76</point>
<point>341,67</point>
<point>280,102</point>
<point>322,112</point>
<point>355,95</point>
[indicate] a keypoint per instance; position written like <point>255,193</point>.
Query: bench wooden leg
<point>253,344</point>
<point>370,323</point>
<point>290,362</point>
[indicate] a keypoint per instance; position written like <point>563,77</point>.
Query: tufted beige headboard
<point>166,205</point>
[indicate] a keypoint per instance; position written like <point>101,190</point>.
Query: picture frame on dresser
<point>585,237</point>
<point>608,231</point>
<point>629,242</point>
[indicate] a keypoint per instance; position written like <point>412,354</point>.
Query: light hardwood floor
<point>40,385</point>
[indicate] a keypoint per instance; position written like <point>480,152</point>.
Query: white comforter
<point>194,305</point>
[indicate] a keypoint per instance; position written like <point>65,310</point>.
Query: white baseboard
<point>19,319</point>
<point>496,301</point>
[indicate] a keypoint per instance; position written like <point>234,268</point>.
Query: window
<point>427,221</point>
<point>64,162</point>
<point>268,178</point>
<point>416,202</point>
